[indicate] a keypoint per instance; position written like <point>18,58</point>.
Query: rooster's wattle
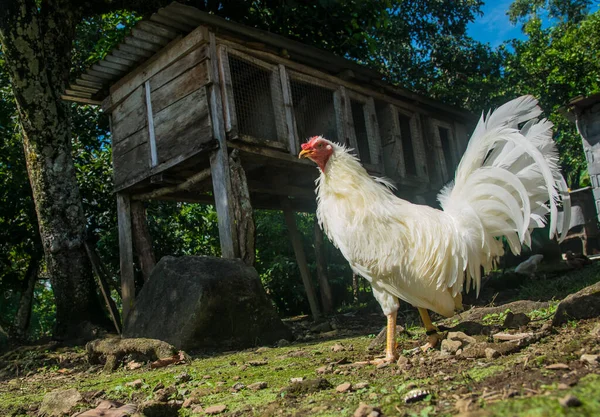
<point>506,183</point>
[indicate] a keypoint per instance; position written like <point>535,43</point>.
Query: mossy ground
<point>518,384</point>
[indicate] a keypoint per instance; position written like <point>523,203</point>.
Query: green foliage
<point>556,65</point>
<point>495,318</point>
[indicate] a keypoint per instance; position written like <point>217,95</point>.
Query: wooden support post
<point>126,253</point>
<point>219,162</point>
<point>324,288</point>
<point>142,241</point>
<point>300,257</point>
<point>242,210</point>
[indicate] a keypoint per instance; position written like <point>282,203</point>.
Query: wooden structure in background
<point>186,88</point>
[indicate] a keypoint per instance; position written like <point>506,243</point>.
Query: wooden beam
<point>296,239</point>
<point>125,254</point>
<point>103,284</point>
<point>219,162</point>
<point>81,100</point>
<point>288,108</point>
<point>184,186</point>
<point>141,239</point>
<point>324,288</point>
<point>150,120</point>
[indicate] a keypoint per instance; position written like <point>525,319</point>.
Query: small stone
<point>321,327</point>
<point>382,365</point>
<point>257,386</point>
<point>563,386</point>
<point>135,384</point>
<point>188,402</point>
<point>590,359</point>
<point>182,377</point>
<point>403,362</point>
<point>238,386</point>
<point>236,378</point>
<point>450,346</point>
<point>365,410</point>
<point>258,363</point>
<point>345,387</point>
<point>206,377</point>
<point>215,409</point>
<point>557,366</point>
<point>197,409</point>
<point>262,349</point>
<point>569,400</point>
<point>515,321</point>
<point>338,348</point>
<point>464,405</point>
<point>461,336</point>
<point>595,331</point>
<point>163,394</point>
<point>58,402</point>
<point>361,385</point>
<point>133,365</point>
<point>491,353</point>
<point>319,409</point>
<point>324,370</point>
<point>297,379</point>
<point>283,343</point>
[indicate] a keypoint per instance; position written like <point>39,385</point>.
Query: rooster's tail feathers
<point>510,179</point>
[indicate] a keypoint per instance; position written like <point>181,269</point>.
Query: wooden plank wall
<point>175,111</point>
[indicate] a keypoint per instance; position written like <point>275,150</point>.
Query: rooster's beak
<point>305,153</point>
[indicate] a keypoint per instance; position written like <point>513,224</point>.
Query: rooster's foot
<point>432,340</point>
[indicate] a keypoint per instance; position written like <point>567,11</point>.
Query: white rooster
<point>505,184</point>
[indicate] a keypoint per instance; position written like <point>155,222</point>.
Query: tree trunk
<point>242,209</point>
<point>37,46</point>
<point>355,288</point>
<point>23,316</point>
<point>324,288</point>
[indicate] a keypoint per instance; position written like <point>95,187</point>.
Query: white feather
<point>506,183</point>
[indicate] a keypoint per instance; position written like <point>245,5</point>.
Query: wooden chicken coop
<point>190,94</point>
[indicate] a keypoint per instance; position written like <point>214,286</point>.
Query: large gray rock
<point>205,303</point>
<point>584,304</point>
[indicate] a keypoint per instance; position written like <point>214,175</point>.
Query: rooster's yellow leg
<point>431,331</point>
<point>390,342</point>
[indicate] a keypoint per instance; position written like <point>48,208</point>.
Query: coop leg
<point>242,210</point>
<point>125,253</point>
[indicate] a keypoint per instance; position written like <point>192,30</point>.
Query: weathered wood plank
<point>195,57</point>
<point>114,65</point>
<point>278,107</point>
<point>91,78</point>
<point>266,143</point>
<point>99,75</point>
<point>219,162</point>
<point>125,145</point>
<point>84,89</point>
<point>172,52</point>
<point>142,241</point>
<point>131,164</point>
<point>125,254</point>
<point>296,239</point>
<point>74,93</point>
<point>372,123</point>
<point>226,85</point>
<point>129,116</point>
<point>107,70</point>
<point>184,186</point>
<point>151,134</point>
<point>90,84</point>
<point>128,62</point>
<point>288,109</point>
<point>171,23</point>
<point>158,29</point>
<point>186,83</point>
<point>81,100</point>
<point>150,37</point>
<point>350,133</point>
<point>132,50</point>
<point>138,43</point>
<point>183,126</point>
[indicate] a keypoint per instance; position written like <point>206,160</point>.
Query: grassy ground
<point>526,382</point>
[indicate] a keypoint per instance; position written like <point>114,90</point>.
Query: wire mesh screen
<point>314,111</point>
<point>253,97</point>
<point>360,130</point>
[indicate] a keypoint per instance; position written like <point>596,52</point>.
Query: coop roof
<point>176,20</point>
